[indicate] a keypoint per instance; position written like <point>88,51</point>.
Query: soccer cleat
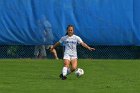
<point>62,77</point>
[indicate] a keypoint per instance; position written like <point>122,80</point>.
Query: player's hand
<point>91,49</point>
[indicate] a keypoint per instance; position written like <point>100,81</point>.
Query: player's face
<point>70,31</point>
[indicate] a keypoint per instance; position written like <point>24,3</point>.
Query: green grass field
<point>41,76</point>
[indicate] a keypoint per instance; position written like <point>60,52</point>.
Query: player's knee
<point>66,65</point>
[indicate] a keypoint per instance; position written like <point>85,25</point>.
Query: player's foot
<point>62,77</point>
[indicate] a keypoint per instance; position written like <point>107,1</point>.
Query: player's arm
<point>58,43</point>
<point>86,46</point>
<point>55,45</point>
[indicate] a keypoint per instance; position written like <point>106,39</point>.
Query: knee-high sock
<point>68,71</point>
<point>64,71</point>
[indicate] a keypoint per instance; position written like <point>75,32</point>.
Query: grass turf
<point>41,76</point>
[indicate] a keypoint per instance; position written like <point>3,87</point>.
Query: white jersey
<point>70,43</point>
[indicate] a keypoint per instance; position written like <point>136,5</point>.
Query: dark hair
<point>68,28</point>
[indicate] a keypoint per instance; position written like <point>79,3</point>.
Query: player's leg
<point>74,64</point>
<point>65,67</point>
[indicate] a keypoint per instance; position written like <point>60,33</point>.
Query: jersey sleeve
<point>79,40</point>
<point>61,40</point>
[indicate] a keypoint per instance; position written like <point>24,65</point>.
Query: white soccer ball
<point>79,72</point>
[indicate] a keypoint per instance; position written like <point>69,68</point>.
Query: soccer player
<point>70,53</point>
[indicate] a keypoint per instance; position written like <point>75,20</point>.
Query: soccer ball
<point>79,72</point>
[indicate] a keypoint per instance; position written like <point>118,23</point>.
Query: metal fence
<point>101,52</point>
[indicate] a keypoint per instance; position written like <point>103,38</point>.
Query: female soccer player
<point>70,54</point>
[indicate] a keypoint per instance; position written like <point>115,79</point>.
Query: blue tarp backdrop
<point>97,22</point>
